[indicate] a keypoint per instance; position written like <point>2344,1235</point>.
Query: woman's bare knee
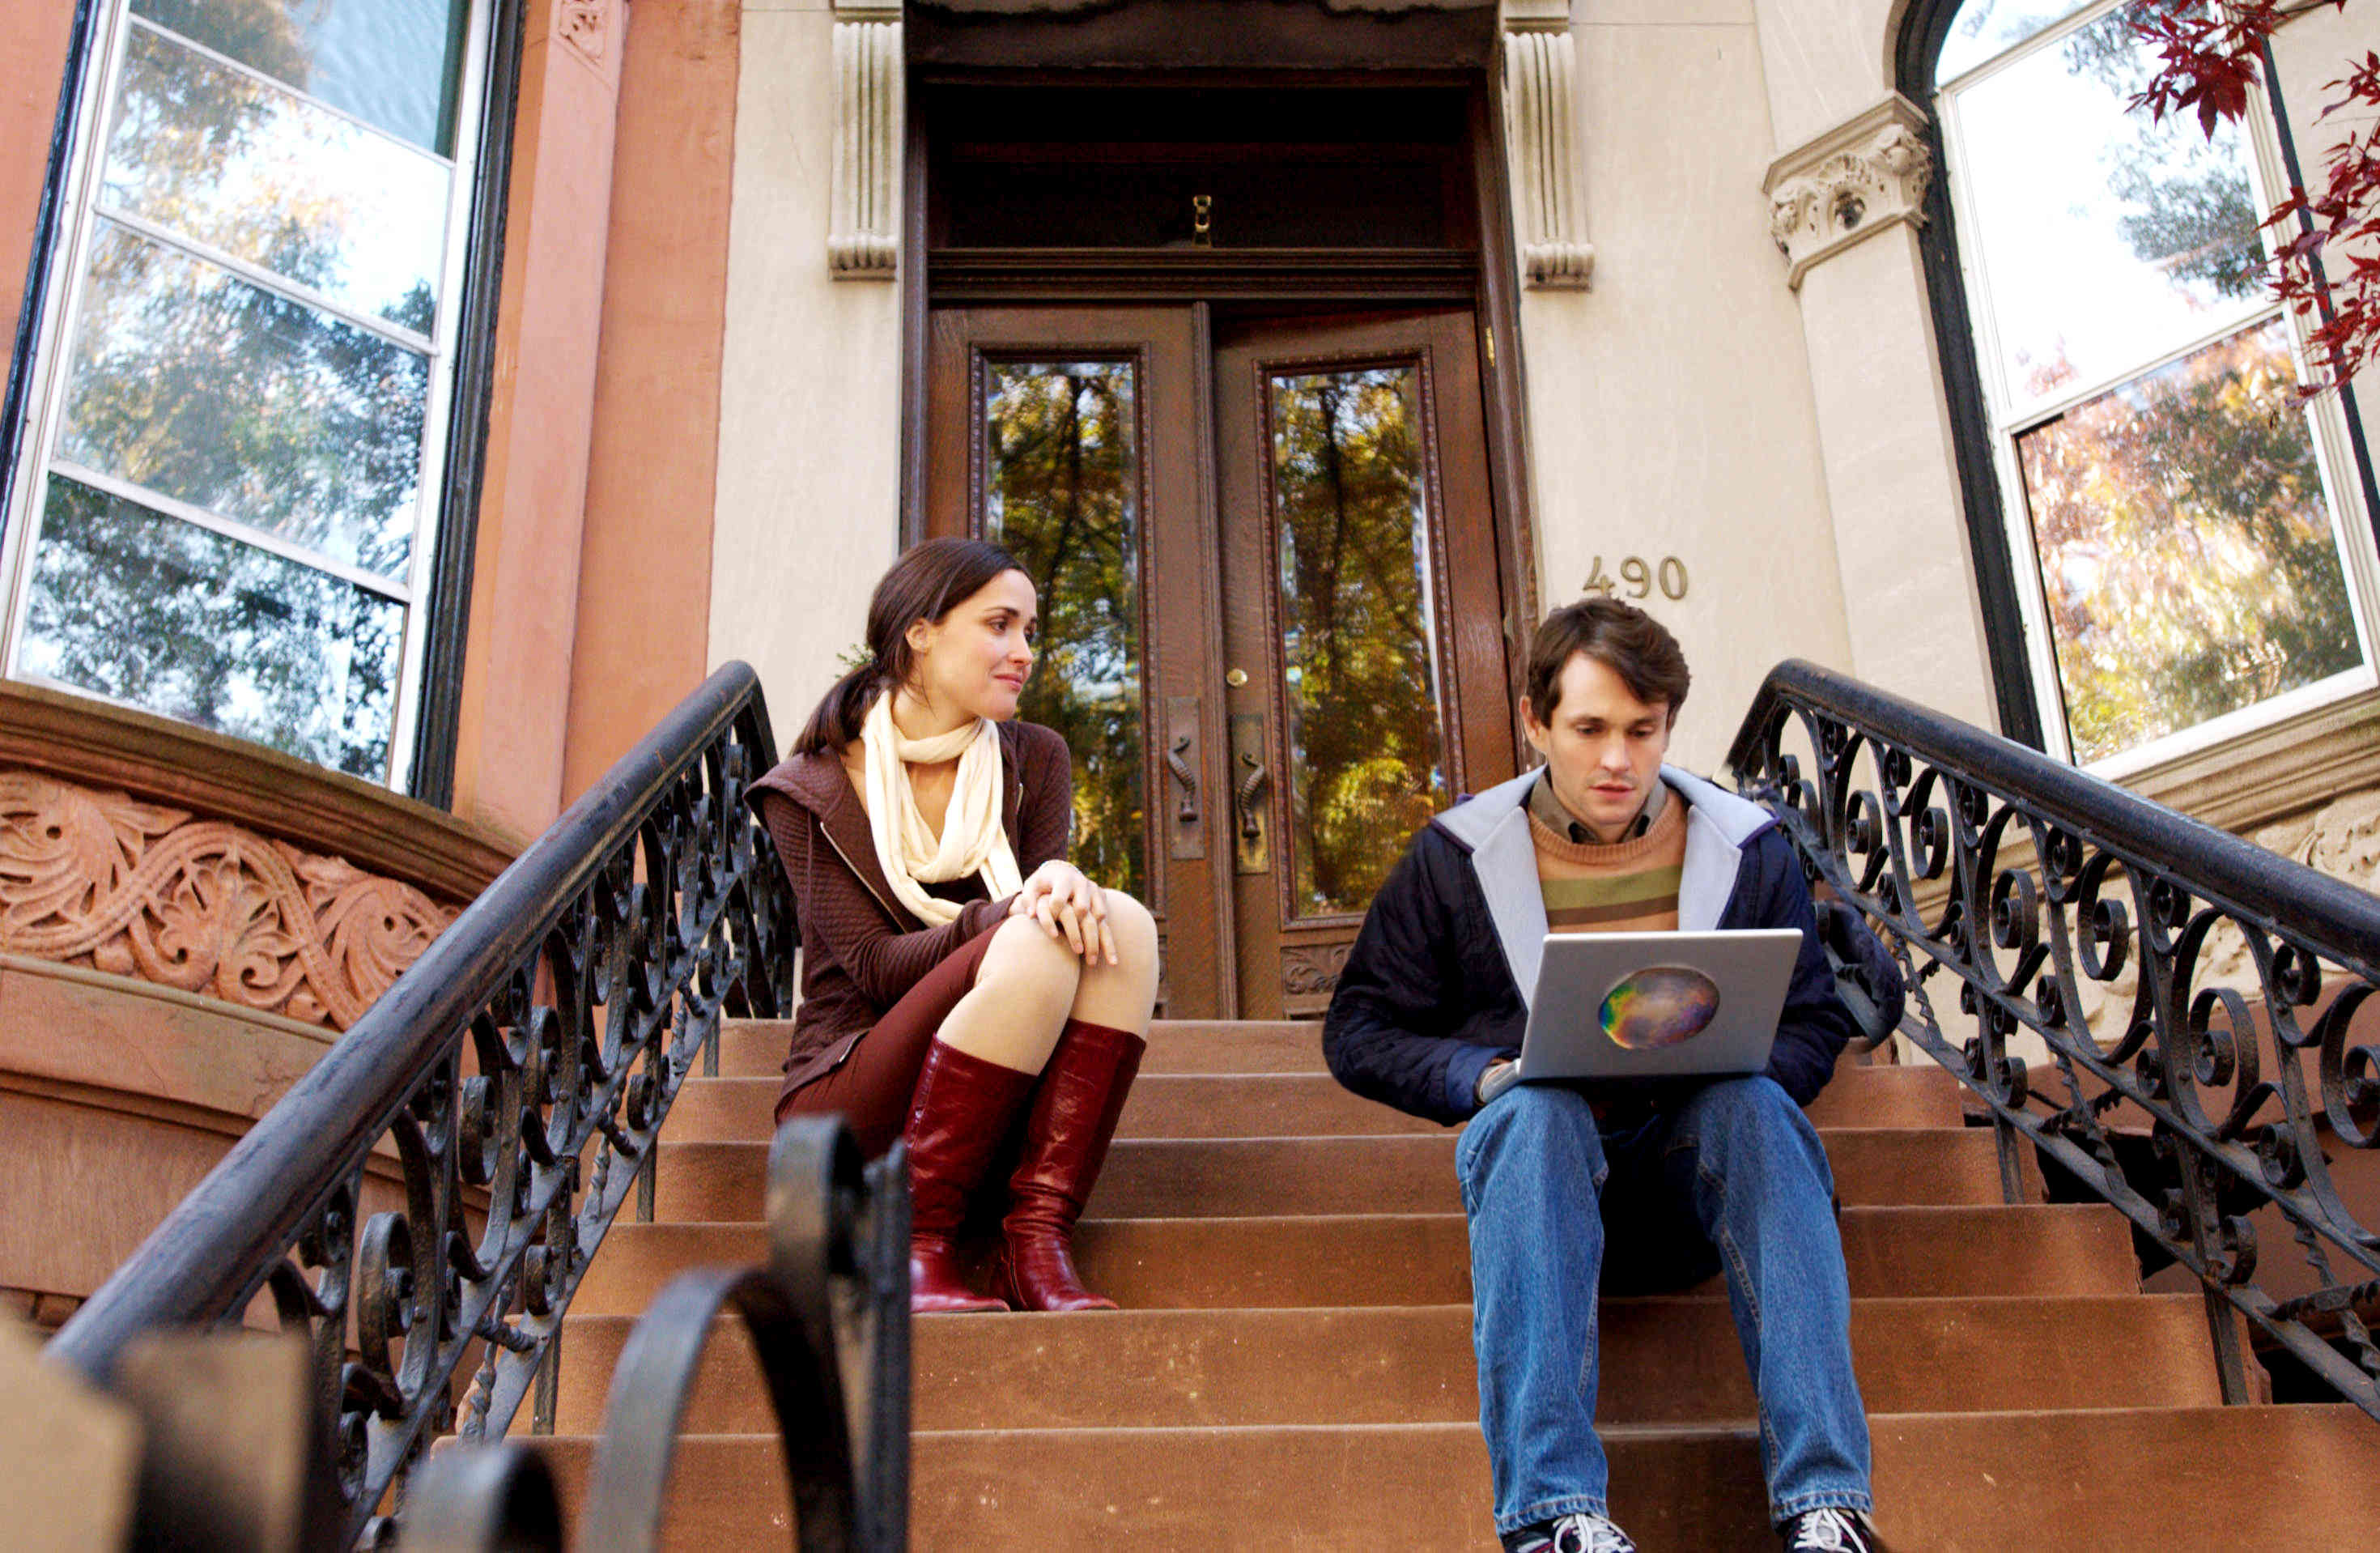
<point>1120,994</point>
<point>1133,928</point>
<point>1022,993</point>
<point>1022,952</point>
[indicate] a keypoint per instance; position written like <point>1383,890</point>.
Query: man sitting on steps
<point>1573,1191</point>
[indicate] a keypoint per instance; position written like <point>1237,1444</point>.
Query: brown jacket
<point>860,949</point>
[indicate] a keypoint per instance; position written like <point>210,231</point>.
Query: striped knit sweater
<point>1630,886</point>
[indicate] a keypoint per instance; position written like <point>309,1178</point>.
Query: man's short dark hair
<point>1623,639</point>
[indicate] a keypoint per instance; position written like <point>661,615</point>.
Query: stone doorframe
<point>1538,87</point>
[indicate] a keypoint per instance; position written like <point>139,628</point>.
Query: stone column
<point>1845,208</point>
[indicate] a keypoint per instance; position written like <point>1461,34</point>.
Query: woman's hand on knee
<point>1069,907</point>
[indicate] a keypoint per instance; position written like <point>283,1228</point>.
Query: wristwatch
<point>1497,1078</point>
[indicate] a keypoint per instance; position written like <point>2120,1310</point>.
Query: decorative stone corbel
<point>863,240</point>
<point>1859,178</point>
<point>1541,139</point>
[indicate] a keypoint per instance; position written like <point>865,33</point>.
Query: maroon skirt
<point>872,1085</point>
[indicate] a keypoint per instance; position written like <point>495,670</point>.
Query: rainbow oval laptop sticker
<point>1660,1005</point>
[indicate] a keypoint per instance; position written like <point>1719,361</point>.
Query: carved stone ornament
<point>1859,178</point>
<point>864,236</point>
<point>584,25</point>
<point>103,879</point>
<point>1541,139</point>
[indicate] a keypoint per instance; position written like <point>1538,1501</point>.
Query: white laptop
<point>1657,1005</point>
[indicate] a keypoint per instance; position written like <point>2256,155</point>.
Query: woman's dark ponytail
<point>835,721</point>
<point>926,582</point>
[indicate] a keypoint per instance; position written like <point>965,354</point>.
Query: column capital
<point>1862,177</point>
<point>1533,16</point>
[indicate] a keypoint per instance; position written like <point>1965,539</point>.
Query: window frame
<point>433,592</point>
<point>1998,519</point>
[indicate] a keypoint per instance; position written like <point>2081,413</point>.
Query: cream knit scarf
<point>973,841</point>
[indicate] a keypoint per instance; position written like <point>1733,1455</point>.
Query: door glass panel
<point>167,615</point>
<point>214,391</point>
<point>392,63</point>
<point>1360,672</point>
<point>209,152</point>
<point>1063,493</point>
<point>2185,546</point>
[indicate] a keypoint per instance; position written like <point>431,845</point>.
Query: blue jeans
<point>1733,1179</point>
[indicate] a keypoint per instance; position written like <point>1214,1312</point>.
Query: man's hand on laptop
<point>1495,1078</point>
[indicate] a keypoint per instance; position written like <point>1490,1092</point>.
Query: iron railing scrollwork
<point>2172,980</point>
<point>512,1081</point>
<point>828,1318</point>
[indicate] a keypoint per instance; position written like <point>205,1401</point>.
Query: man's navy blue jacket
<point>1435,988</point>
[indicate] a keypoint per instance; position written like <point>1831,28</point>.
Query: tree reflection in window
<point>234,509</point>
<point>218,393</point>
<point>2139,385</point>
<point>210,153</point>
<point>1064,496</point>
<point>1359,662</point>
<point>2185,546</point>
<point>170,616</point>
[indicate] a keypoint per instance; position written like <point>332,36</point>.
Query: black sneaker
<point>1570,1533</point>
<point>1829,1531</point>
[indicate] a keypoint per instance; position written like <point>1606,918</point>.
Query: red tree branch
<point>2213,57</point>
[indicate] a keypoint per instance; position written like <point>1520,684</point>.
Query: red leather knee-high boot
<point>958,1113</point>
<point>1066,1132</point>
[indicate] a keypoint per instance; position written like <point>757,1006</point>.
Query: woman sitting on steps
<point>957,970</point>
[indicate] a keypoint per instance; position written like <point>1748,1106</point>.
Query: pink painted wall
<point>644,583</point>
<point>516,695</point>
<point>33,44</point>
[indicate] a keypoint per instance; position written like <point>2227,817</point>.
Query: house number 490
<point>1637,578</point>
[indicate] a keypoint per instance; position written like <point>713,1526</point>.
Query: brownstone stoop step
<point>1293,1368</point>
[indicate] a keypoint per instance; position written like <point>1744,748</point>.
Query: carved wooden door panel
<point>1365,657</point>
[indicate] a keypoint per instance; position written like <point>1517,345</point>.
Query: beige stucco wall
<point>809,403</point>
<point>1823,60</point>
<point>1669,408</point>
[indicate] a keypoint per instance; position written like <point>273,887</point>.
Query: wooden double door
<point>1272,612</point>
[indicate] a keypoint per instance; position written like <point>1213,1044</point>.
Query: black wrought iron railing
<point>2101,970</point>
<point>828,1320</point>
<point>514,1080</point>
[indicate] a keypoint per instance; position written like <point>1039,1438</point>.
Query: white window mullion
<point>231,528</point>
<point>2352,521</point>
<point>2024,556</point>
<point>438,429</point>
<point>261,278</point>
<point>70,272</point>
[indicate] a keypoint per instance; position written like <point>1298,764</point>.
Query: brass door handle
<point>1250,855</point>
<point>1187,776</point>
<point>1187,838</point>
<point>1252,786</point>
